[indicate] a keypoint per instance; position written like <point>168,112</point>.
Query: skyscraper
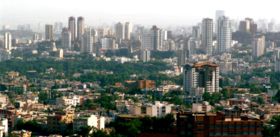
<point>49,32</point>
<point>224,34</point>
<point>72,27</point>
<point>80,28</point>
<point>66,39</point>
<point>119,30</point>
<point>248,25</point>
<point>7,41</point>
<point>128,30</point>
<point>258,44</point>
<point>219,13</point>
<point>146,40</point>
<point>201,77</point>
<point>157,39</point>
<point>207,35</point>
<point>87,41</point>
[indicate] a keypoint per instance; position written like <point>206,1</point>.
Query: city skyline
<point>165,13</point>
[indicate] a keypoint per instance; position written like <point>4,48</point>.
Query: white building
<point>158,109</point>
<point>224,34</point>
<point>7,41</point>
<point>91,121</point>
<point>68,101</point>
<point>258,46</point>
<point>4,127</point>
<point>201,107</point>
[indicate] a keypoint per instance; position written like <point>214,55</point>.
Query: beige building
<point>258,46</point>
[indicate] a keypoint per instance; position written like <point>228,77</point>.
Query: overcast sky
<point>147,12</point>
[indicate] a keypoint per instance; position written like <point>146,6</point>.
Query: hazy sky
<point>147,12</point>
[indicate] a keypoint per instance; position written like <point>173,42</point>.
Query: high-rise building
<point>152,39</point>
<point>80,27</point>
<point>120,31</point>
<point>201,77</point>
<point>128,30</point>
<point>49,32</point>
<point>157,39</point>
<point>146,40</point>
<point>72,27</point>
<point>87,41</point>
<point>145,55</point>
<point>58,26</point>
<point>224,34</point>
<point>219,13</point>
<point>207,35</point>
<point>7,41</point>
<point>181,57</point>
<point>258,46</point>
<point>108,43</point>
<point>196,32</point>
<point>66,39</point>
<point>248,25</point>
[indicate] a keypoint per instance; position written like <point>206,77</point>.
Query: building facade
<point>7,41</point>
<point>72,27</point>
<point>224,34</point>
<point>207,35</point>
<point>66,39</point>
<point>49,35</point>
<point>258,46</point>
<point>200,77</point>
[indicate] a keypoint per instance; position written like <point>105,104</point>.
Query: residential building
<point>200,77</point>
<point>66,39</point>
<point>8,41</point>
<point>72,27</point>
<point>120,31</point>
<point>73,100</point>
<point>158,109</point>
<point>87,42</point>
<point>128,30</point>
<point>108,43</point>
<point>207,35</point>
<point>80,28</point>
<point>217,125</point>
<point>49,34</point>
<point>258,46</point>
<point>146,84</point>
<point>248,25</point>
<point>224,34</point>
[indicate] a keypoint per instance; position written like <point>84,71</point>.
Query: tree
<point>212,98</point>
<point>273,127</point>
<point>84,131</point>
